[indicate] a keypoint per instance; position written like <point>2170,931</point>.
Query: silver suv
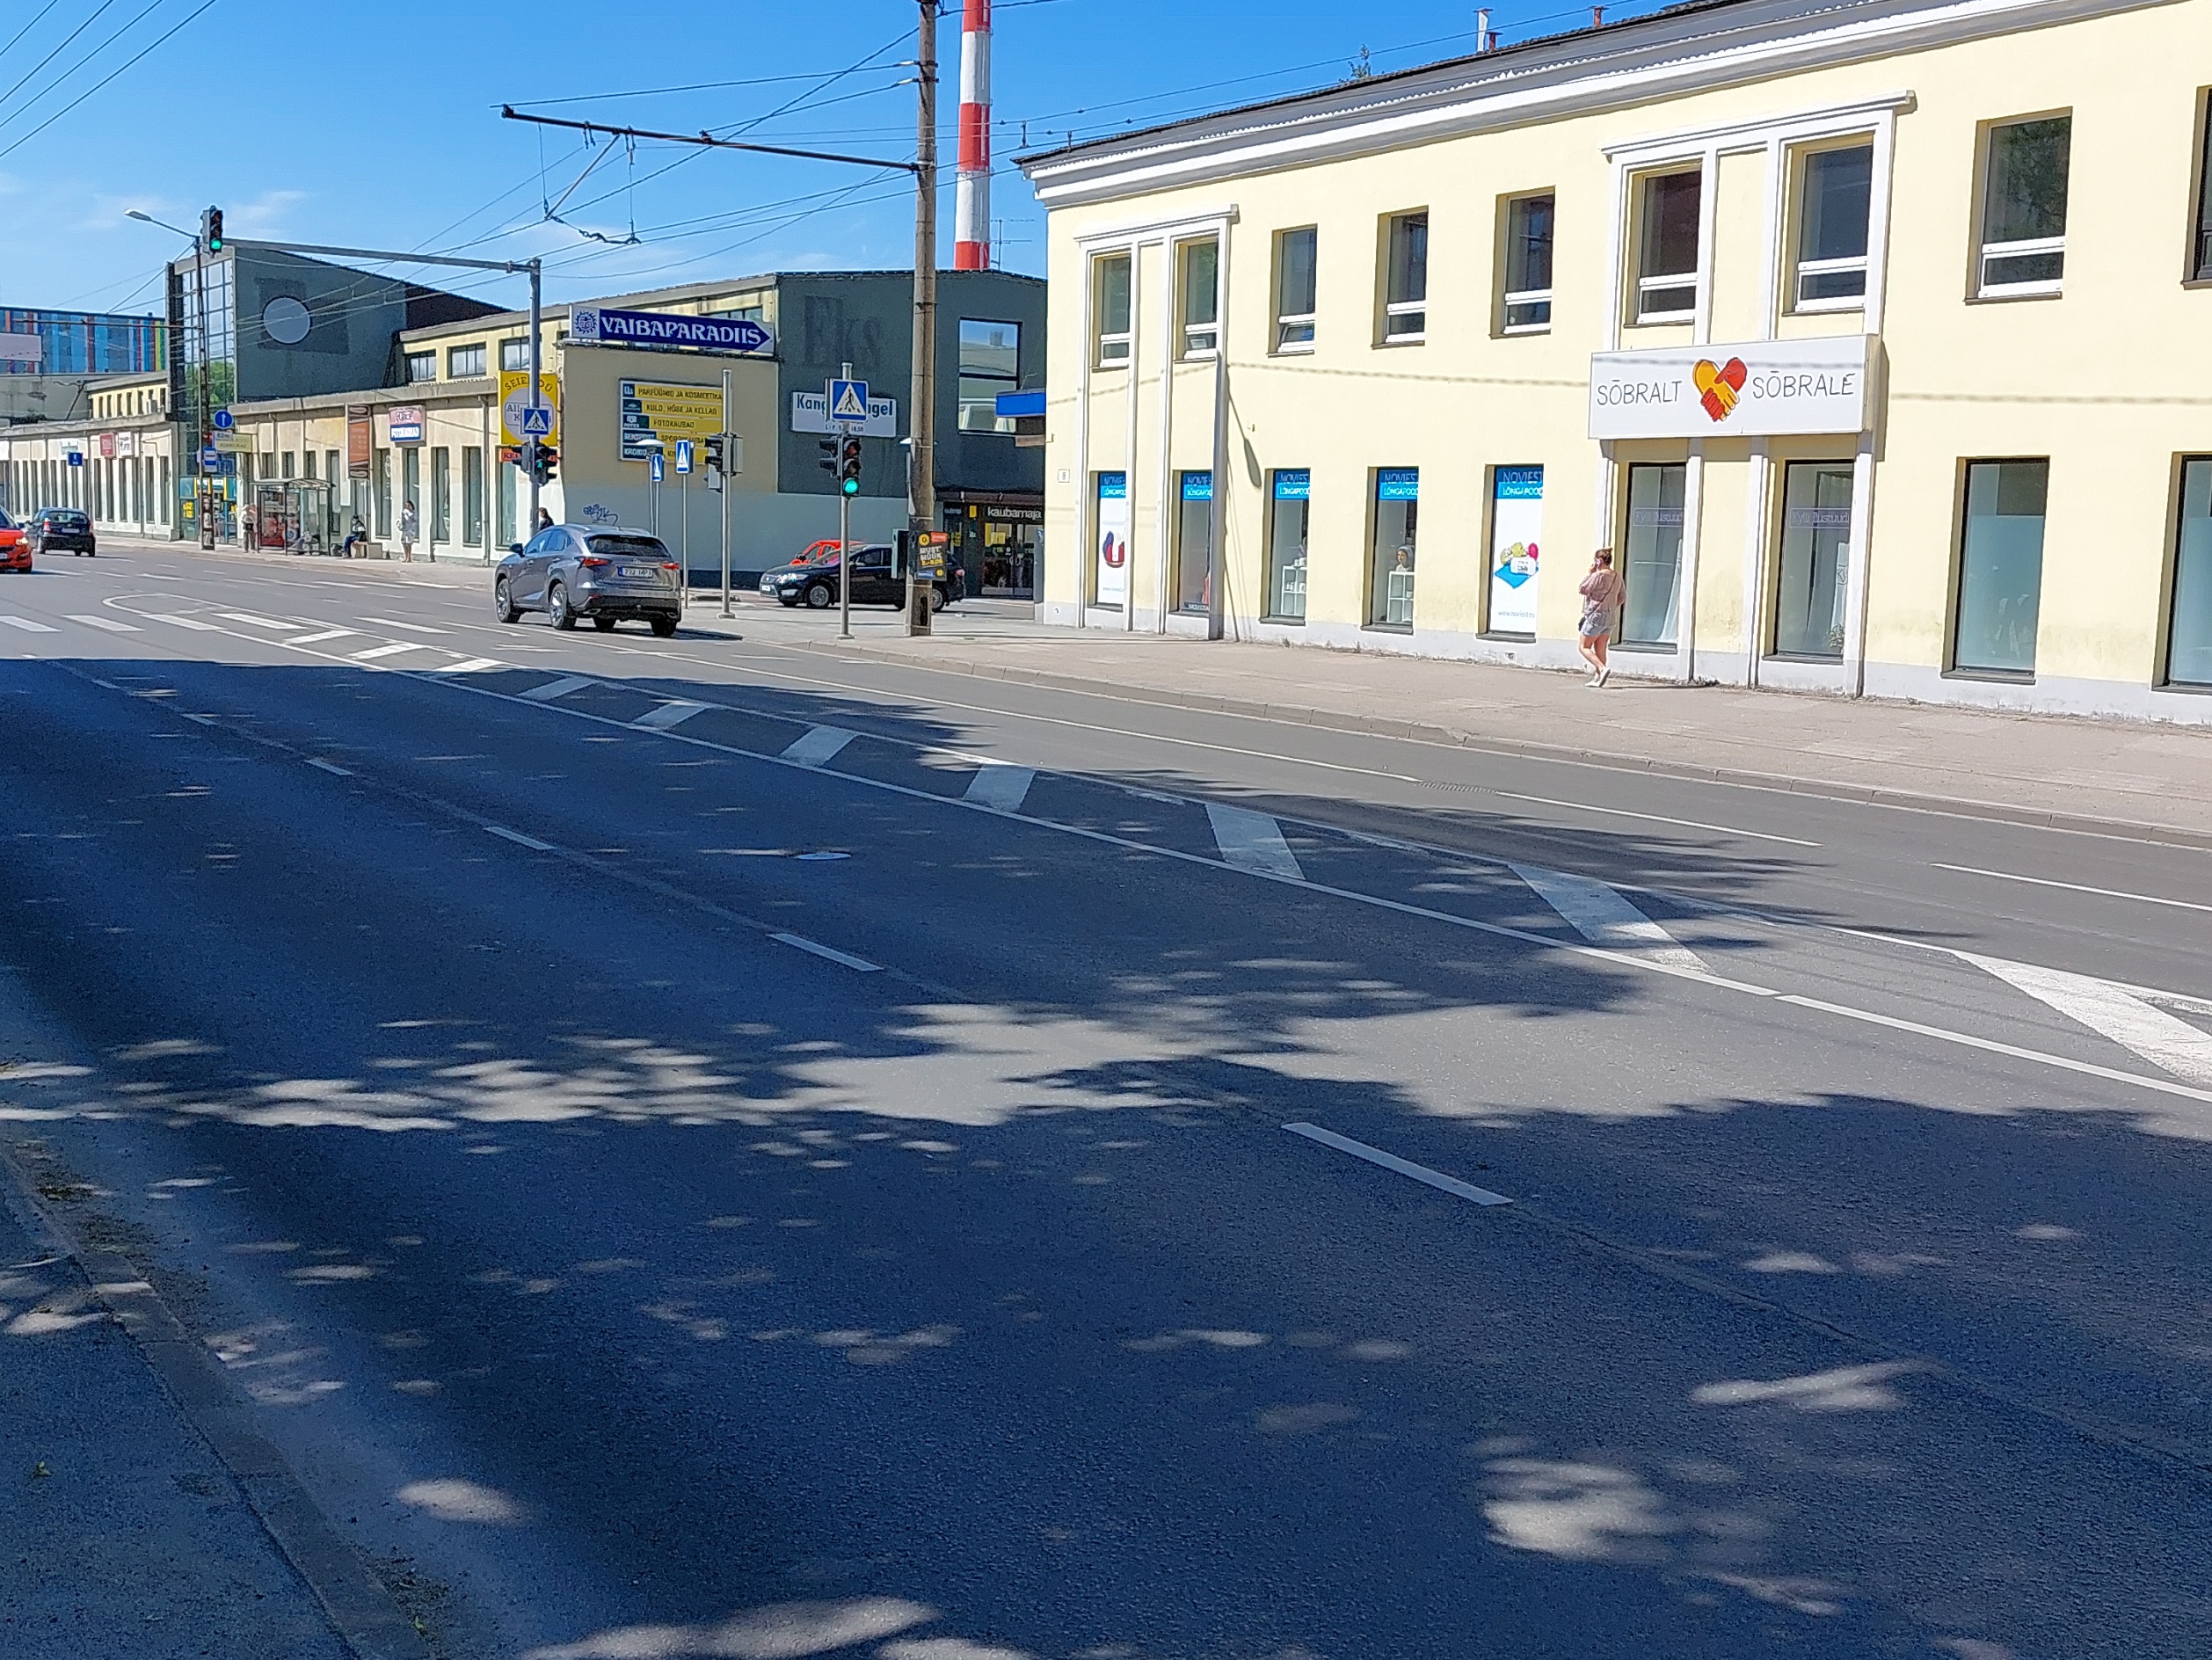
<point>606,573</point>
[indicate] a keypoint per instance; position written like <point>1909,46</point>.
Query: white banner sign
<point>1516,521</point>
<point>810,413</point>
<point>1113,539</point>
<point>1770,389</point>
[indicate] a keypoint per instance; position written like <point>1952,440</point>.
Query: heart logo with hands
<point>1718,385</point>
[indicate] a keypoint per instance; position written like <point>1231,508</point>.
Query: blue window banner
<point>1398,484</point>
<point>604,326</point>
<point>1113,486</point>
<point>1293,483</point>
<point>1198,486</point>
<point>1518,483</point>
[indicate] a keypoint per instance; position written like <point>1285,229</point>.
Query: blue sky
<point>379,125</point>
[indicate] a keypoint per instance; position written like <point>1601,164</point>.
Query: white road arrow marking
<point>1252,841</point>
<point>1603,916</point>
<point>2160,1039</point>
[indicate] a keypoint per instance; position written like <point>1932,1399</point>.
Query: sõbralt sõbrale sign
<point>1758,389</point>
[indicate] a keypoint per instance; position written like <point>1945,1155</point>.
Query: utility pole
<point>922,456</point>
<point>206,410</point>
<point>530,453</point>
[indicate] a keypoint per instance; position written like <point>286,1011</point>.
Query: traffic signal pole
<point>530,453</point>
<point>844,538</point>
<point>921,458</point>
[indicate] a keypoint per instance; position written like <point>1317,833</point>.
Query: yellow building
<point>1872,337</point>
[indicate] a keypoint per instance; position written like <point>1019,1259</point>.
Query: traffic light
<point>849,464</point>
<point>211,230</point>
<point>714,452</point>
<point>829,447</point>
<point>544,459</point>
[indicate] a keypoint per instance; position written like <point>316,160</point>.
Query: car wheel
<point>502,605</point>
<point>664,627</point>
<point>604,624</point>
<point>819,597</point>
<point>556,603</point>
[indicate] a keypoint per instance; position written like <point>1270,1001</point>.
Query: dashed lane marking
<point>520,840</point>
<point>1000,787</point>
<point>552,689</point>
<point>2074,887</point>
<point>27,625</point>
<point>799,942</point>
<point>1252,841</point>
<point>1603,916</point>
<point>1437,1179</point>
<point>2112,1012</point>
<point>109,623</point>
<point>672,714</point>
<point>393,650</point>
<point>818,745</point>
<point>331,767</point>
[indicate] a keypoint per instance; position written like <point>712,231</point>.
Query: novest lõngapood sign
<point>1767,388</point>
<point>602,325</point>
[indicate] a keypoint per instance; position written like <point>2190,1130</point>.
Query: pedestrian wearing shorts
<point>1601,591</point>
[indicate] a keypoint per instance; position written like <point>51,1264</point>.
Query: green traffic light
<point>852,486</point>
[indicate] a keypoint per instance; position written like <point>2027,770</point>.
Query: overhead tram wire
<point>17,36</point>
<point>147,51</point>
<point>61,47</point>
<point>657,91</point>
<point>55,84</point>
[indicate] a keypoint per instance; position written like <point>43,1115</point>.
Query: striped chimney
<point>972,205</point>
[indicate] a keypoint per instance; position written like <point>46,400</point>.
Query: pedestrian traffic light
<point>544,459</point>
<point>849,464</point>
<point>714,452</point>
<point>211,230</point>
<point>829,447</point>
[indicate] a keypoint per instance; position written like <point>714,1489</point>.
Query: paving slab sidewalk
<point>2139,777</point>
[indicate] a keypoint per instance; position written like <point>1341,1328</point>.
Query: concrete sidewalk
<point>2039,769</point>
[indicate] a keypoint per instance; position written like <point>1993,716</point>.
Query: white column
<point>1862,514</point>
<point>1129,450</point>
<point>1218,599</point>
<point>1686,631</point>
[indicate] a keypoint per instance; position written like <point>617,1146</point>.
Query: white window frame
<point>1696,279</point>
<point>1113,350</point>
<point>1798,160</point>
<point>1800,305</point>
<point>1284,346</point>
<point>1395,311</point>
<point>1527,298</point>
<point>1200,340</point>
<point>1984,289</point>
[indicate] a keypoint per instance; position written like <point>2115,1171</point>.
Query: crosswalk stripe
<point>251,621</point>
<point>181,621</point>
<point>1603,916</point>
<point>27,625</point>
<point>470,665</point>
<point>552,689</point>
<point>1004,787</point>
<point>670,715</point>
<point>404,627</point>
<point>310,639</point>
<point>1252,841</point>
<point>2160,1039</point>
<point>818,745</point>
<point>109,623</point>
<point>393,650</point>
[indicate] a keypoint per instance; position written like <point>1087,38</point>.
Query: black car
<point>60,530</point>
<point>811,581</point>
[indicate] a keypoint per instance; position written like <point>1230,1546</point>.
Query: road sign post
<point>683,510</point>
<point>722,513</point>
<point>846,401</point>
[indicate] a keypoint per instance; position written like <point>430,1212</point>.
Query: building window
<point>472,497</point>
<point>2001,567</point>
<point>1113,310</point>
<point>514,356</point>
<point>1816,567</point>
<point>1289,492</point>
<point>1652,570</point>
<point>990,363</point>
<point>1294,291</point>
<point>1667,263</point>
<point>1406,279</point>
<point>465,362</point>
<point>1395,512</point>
<point>1111,580</point>
<point>411,481</point>
<point>422,366</point>
<point>1528,264</point>
<point>1837,197</point>
<point>1194,542</point>
<point>2024,208</point>
<point>1201,298</point>
<point>509,474</point>
<point>2189,640</point>
<point>440,495</point>
<point>2200,267</point>
<point>381,494</point>
<point>754,312</point>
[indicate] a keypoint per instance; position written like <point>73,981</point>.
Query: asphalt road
<point>709,1148</point>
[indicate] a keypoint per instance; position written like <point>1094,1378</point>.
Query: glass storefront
<point>1289,489</point>
<point>1397,514</point>
<point>2189,643</point>
<point>1652,551</point>
<point>2001,567</point>
<point>1808,602</point>
<point>1194,542</point>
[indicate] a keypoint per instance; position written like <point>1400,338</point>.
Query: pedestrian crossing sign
<point>848,400</point>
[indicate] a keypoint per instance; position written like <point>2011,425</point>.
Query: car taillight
<point>590,563</point>
<point>670,564</point>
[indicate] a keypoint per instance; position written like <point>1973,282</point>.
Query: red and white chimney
<point>971,203</point>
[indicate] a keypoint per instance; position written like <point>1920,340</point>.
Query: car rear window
<point>627,546</point>
<point>67,521</point>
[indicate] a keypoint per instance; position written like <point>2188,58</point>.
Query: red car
<point>15,552</point>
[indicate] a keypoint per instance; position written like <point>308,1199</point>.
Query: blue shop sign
<point>1520,483</point>
<point>1398,484</point>
<point>1198,486</point>
<point>1292,483</point>
<point>603,325</point>
<point>1113,486</point>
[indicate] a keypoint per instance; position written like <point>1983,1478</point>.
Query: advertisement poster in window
<point>1113,539</point>
<point>1516,521</point>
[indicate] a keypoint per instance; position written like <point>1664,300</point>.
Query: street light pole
<point>922,456</point>
<point>537,274</point>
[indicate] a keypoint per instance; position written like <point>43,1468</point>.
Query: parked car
<point>59,530</point>
<point>811,579</point>
<point>606,573</point>
<point>15,552</point>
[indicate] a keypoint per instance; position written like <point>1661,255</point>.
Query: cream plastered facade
<point>2110,378</point>
<point>125,474</point>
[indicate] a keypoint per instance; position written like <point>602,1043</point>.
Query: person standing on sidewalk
<point>1601,591</point>
<point>409,525</point>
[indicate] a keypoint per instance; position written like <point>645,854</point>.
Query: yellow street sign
<point>514,395</point>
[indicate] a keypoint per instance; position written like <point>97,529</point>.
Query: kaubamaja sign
<point>1757,389</point>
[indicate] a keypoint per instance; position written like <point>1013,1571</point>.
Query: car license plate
<point>645,571</point>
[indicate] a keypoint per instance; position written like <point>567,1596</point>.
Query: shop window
<point>1290,490</point>
<point>2201,266</point>
<point>509,474</point>
<point>1834,202</point>
<point>2189,638</point>
<point>1194,542</point>
<point>990,363</point>
<point>472,497</point>
<point>1113,310</point>
<point>1295,288</point>
<point>514,356</point>
<point>1201,298</point>
<point>465,362</point>
<point>410,480</point>
<point>1528,264</point>
<point>2024,208</point>
<point>1406,279</point>
<point>1396,513</point>
<point>381,493</point>
<point>1667,258</point>
<point>1653,568</point>
<point>440,495</point>
<point>2001,567</point>
<point>422,366</point>
<point>1816,565</point>
<point>1111,580</point>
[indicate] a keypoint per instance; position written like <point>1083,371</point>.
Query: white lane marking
<point>310,639</point>
<point>470,665</point>
<point>109,623</point>
<point>251,621</point>
<point>818,745</point>
<point>393,650</point>
<point>332,768</point>
<point>1654,817</point>
<point>1252,841</point>
<point>800,942</point>
<point>180,622</point>
<point>552,689</point>
<point>2111,1012</point>
<point>2076,887</point>
<point>1390,1161</point>
<point>520,840</point>
<point>27,625</point>
<point>1000,787</point>
<point>1603,916</point>
<point>667,715</point>
<point>404,627</point>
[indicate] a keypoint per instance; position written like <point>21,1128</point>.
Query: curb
<point>1418,732</point>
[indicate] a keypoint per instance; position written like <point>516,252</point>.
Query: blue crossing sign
<point>537,420</point>
<point>683,455</point>
<point>848,401</point>
<point>656,468</point>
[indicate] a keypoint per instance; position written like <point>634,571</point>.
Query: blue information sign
<point>1292,483</point>
<point>1398,484</point>
<point>683,455</point>
<point>223,420</point>
<point>848,401</point>
<point>657,468</point>
<point>602,325</point>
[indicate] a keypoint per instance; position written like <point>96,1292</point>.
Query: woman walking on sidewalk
<point>1601,591</point>
<point>408,526</point>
